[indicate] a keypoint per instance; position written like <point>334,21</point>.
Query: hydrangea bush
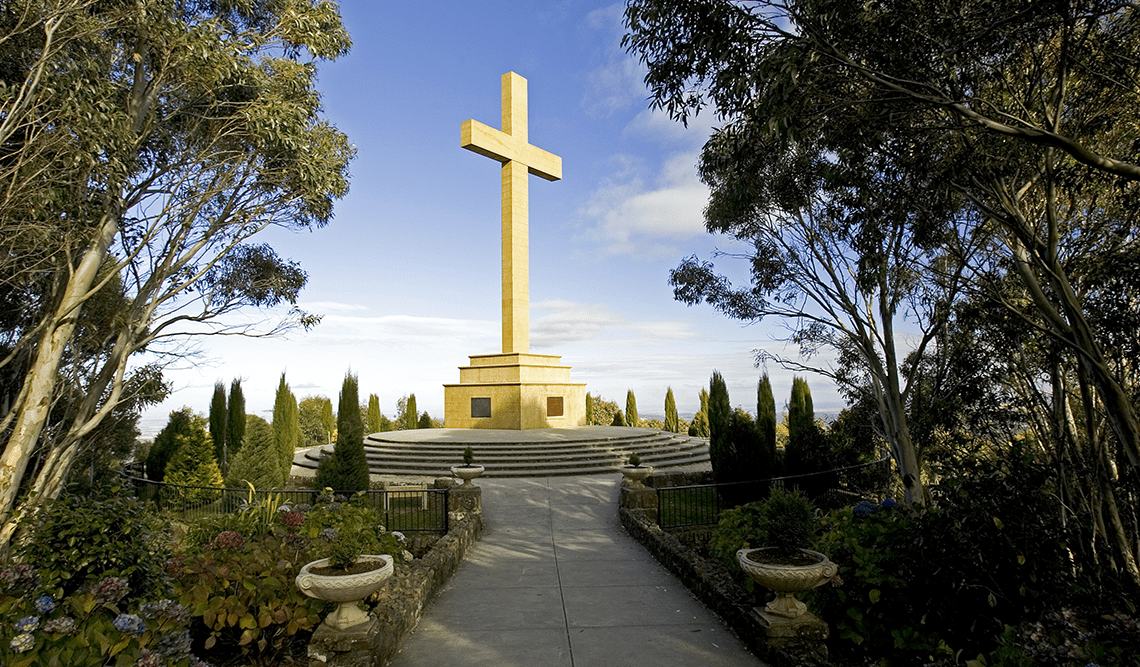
<point>92,627</point>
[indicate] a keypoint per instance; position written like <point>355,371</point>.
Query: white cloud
<point>566,322</point>
<point>631,217</point>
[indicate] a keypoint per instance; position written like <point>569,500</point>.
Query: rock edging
<point>708,581</point>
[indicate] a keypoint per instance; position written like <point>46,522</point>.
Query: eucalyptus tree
<point>162,137</point>
<point>1025,115</point>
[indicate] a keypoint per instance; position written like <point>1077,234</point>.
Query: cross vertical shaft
<point>510,147</point>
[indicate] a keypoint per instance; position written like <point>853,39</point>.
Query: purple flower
<point>864,508</point>
<point>19,578</point>
<point>64,625</point>
<point>129,624</point>
<point>148,659</point>
<point>228,539</point>
<point>22,642</point>
<point>174,645</point>
<point>27,624</point>
<point>165,610</point>
<point>889,504</point>
<point>110,590</point>
<point>44,604</point>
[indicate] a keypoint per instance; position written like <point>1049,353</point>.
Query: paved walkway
<point>556,582</point>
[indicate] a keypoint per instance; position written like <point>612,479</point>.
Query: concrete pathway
<point>556,582</point>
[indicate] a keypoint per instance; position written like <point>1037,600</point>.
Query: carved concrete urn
<point>467,473</point>
<point>344,589</point>
<point>786,576</point>
<point>636,475</point>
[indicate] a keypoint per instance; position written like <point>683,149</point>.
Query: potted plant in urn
<point>468,471</point>
<point>786,566</point>
<point>635,472</point>
<point>346,575</point>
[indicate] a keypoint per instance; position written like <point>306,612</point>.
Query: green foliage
<point>193,465</point>
<point>630,409</point>
<point>766,421</point>
<point>921,582</point>
<point>720,424</point>
<point>410,413</point>
<point>374,424</point>
<point>258,462</point>
<point>358,529</point>
<point>619,419</point>
<point>785,521</point>
<point>635,459</point>
<point>589,408</point>
<point>671,418</point>
<point>700,426</point>
<point>468,456</point>
<point>311,420</point>
<point>801,413</point>
<point>79,540</point>
<point>604,412</point>
<point>218,419</point>
<point>181,422</point>
<point>347,468</point>
<point>245,596</point>
<point>286,426</point>
<point>425,421</point>
<point>235,424</point>
<point>81,631</point>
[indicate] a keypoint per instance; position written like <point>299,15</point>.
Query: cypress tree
<point>374,414</point>
<point>630,409</point>
<point>671,418</point>
<point>425,420</point>
<point>766,423</point>
<point>801,414</point>
<point>808,448</point>
<point>410,414</point>
<point>619,420</point>
<point>347,468</point>
<point>166,442</point>
<point>286,427</point>
<point>218,419</point>
<point>328,419</point>
<point>720,423</point>
<point>704,400</point>
<point>589,409</point>
<point>235,424</point>
<point>193,464</point>
<point>258,460</point>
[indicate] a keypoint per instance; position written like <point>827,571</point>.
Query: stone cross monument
<point>519,158</point>
<point>515,389</point>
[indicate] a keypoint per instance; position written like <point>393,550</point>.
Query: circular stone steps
<point>580,450</point>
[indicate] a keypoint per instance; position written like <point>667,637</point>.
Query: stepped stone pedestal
<point>514,391</point>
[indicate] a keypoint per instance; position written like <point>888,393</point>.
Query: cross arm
<point>497,145</point>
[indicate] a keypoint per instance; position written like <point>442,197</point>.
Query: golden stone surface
<point>517,382</point>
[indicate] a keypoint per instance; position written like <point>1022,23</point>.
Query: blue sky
<point>407,275</point>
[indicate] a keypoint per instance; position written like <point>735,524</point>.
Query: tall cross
<point>519,158</point>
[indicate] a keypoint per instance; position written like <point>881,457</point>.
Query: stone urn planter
<point>768,569</point>
<point>636,474</point>
<point>467,473</point>
<point>344,589</point>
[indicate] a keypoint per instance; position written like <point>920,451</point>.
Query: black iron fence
<point>410,508</point>
<point>701,504</point>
